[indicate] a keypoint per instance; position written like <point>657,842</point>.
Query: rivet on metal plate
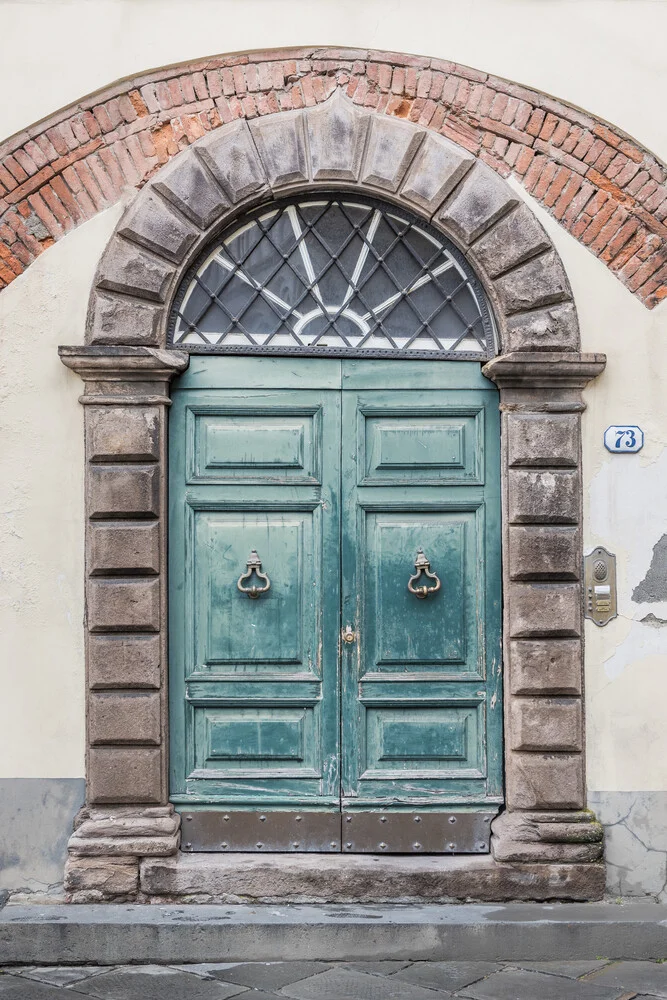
<point>452,847</point>
<point>188,817</point>
<point>226,818</point>
<point>348,819</point>
<point>383,819</point>
<point>452,819</point>
<point>418,819</point>
<point>259,844</point>
<point>348,846</point>
<point>262,819</point>
<point>295,844</point>
<point>383,846</point>
<point>333,844</point>
<point>417,846</point>
<point>223,844</point>
<point>298,819</point>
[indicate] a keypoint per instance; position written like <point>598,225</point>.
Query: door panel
<point>254,682</point>
<point>421,684</point>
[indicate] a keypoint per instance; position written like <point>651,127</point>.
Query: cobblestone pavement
<point>598,979</point>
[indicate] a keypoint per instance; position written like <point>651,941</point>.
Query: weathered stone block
<point>124,548</point>
<point>123,661</point>
<point>546,724</point>
<point>231,156</point>
<point>545,781</point>
<point>127,268</point>
<point>115,320</point>
<point>111,876</point>
<point>122,433</point>
<point>123,491</point>
<point>545,666</point>
<point>544,553</point>
<point>148,847</point>
<point>480,201</point>
<point>555,328</point>
<point>336,137</point>
<point>516,238</point>
<point>391,147</point>
<point>538,283</point>
<point>128,822</point>
<point>154,226</point>
<point>543,439</point>
<point>281,143</point>
<point>542,609</point>
<point>131,717</point>
<point>543,497</point>
<point>123,605</point>
<point>437,168</point>
<point>124,774</point>
<point>187,185</point>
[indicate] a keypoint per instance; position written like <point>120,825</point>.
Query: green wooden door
<point>337,700</point>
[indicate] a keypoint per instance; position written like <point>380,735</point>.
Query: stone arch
<point>600,184</point>
<point>342,145</point>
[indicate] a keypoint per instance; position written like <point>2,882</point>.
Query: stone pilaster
<point>541,403</point>
<point>127,814</point>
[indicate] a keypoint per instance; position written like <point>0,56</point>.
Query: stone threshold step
<point>117,934</point>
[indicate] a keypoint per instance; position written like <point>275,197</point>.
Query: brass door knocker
<point>422,565</point>
<point>254,565</point>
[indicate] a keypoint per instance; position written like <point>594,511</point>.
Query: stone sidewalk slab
<point>156,983</point>
<point>449,976</point>
<point>342,984</point>
<point>261,976</point>
<point>649,977</point>
<point>175,935</point>
<point>521,985</point>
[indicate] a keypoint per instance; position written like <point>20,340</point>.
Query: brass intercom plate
<point>600,586</point>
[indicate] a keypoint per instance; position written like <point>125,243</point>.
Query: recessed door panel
<point>410,741</point>
<point>431,446</point>
<point>278,629</point>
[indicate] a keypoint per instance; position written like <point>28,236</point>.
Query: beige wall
<point>52,53</point>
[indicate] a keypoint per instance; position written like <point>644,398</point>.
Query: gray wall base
<point>108,935</point>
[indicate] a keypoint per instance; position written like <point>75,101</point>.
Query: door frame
<point>127,369</point>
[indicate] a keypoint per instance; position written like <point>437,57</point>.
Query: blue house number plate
<point>623,437</point>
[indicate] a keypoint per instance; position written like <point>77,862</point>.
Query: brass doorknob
<point>349,635</point>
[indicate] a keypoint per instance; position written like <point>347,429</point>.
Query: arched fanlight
<point>333,274</point>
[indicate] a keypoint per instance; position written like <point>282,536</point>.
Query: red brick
<point>102,116</point>
<point>643,273</point>
<point>26,162</point>
<point>57,208</point>
<point>200,88</point>
<point>114,112</point>
<point>546,177</point>
<point>535,124</point>
<point>617,243</point>
<point>6,179</point>
<point>598,221</point>
<point>594,151</point>
<point>506,131</point>
<point>549,127</point>
<point>68,199</point>
<point>499,106</point>
<point>486,101</point>
<point>522,116</point>
<point>15,169</point>
<point>610,230</point>
<point>411,82</point>
<point>567,195</point>
<point>510,111</point>
<point>563,175</point>
<point>90,184</point>
<point>578,203</point>
<point>45,215</point>
<point>561,133</point>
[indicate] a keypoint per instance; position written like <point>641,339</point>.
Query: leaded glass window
<point>333,274</point>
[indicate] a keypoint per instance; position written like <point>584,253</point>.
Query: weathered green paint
<point>336,472</point>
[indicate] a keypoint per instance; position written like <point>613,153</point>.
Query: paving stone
<point>450,976</point>
<point>64,975</point>
<point>153,983</point>
<point>651,977</point>
<point>340,984</point>
<point>510,985</point>
<point>376,968</point>
<point>20,988</point>
<point>204,968</point>
<point>270,975</point>
<point>571,970</point>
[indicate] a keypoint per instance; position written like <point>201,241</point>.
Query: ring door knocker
<point>254,565</point>
<point>423,566</point>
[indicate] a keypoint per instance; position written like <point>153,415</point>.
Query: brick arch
<point>182,208</point>
<point>606,189</point>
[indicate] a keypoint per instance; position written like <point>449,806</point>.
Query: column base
<point>546,837</point>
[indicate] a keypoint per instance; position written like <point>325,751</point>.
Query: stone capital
<point>124,375</point>
<point>543,381</point>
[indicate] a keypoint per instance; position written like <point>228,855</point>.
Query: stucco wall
<point>41,503</point>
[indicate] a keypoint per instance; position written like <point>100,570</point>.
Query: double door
<point>335,605</point>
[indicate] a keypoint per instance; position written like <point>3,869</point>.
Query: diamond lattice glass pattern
<point>333,274</point>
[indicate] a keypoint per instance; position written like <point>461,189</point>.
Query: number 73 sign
<point>623,437</point>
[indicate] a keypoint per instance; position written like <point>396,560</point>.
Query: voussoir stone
<point>539,282</point>
<point>546,724</point>
<point>543,439</point>
<point>123,605</point>
<point>122,433</point>
<point>437,168</point>
<point>336,138</point>
<point>545,666</point>
<point>554,328</point>
<point>480,200</point>
<point>191,189</point>
<point>124,717</point>
<point>158,228</point>
<point>125,774</point>
<point>123,661</point>
<point>517,237</point>
<point>391,148</point>
<point>281,143</point>
<point>127,268</point>
<point>117,320</point>
<point>232,157</point>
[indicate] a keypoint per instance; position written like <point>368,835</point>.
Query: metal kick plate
<point>215,830</point>
<point>329,833</point>
<point>600,586</point>
<point>416,833</point>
